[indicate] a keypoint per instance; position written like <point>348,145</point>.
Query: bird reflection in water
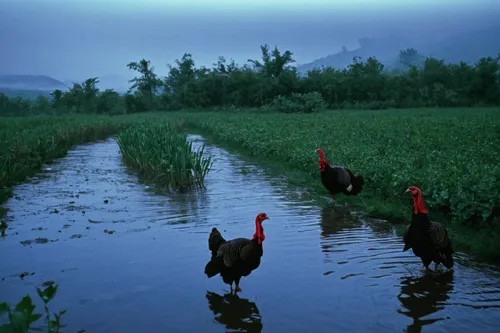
<point>237,314</point>
<point>332,224</point>
<point>335,221</point>
<point>423,296</point>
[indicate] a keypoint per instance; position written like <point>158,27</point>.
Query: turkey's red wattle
<point>418,205</point>
<point>259,233</point>
<point>322,163</point>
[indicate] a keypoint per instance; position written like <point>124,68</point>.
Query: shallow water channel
<point>128,259</point>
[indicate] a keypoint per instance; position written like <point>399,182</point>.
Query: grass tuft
<point>162,153</point>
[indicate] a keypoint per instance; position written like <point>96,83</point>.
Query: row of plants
<point>158,150</point>
<point>273,84</point>
<point>161,152</point>
<point>452,155</point>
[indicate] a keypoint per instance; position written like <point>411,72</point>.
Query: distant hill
<point>31,82</point>
<point>29,86</point>
<point>385,50</point>
<point>468,47</point>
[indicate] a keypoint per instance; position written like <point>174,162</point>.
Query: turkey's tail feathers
<point>446,257</point>
<point>213,267</point>
<point>406,240</point>
<point>357,185</point>
<point>446,254</point>
<point>440,237</point>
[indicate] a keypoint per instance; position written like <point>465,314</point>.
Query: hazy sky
<point>76,39</point>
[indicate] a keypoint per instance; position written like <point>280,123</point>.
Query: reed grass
<point>163,154</point>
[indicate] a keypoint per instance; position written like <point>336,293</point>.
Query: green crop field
<point>451,154</point>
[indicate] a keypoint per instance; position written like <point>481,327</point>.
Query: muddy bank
<point>130,259</point>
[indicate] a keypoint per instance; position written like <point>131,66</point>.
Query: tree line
<point>273,83</point>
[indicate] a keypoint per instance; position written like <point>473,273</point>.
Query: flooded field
<point>129,259</point>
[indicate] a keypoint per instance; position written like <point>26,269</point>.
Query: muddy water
<point>128,259</point>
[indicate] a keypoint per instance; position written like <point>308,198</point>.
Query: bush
<point>298,103</point>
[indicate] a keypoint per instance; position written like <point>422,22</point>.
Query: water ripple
<point>127,255</point>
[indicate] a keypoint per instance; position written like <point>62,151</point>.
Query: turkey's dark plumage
<point>235,258</point>
<point>428,240</point>
<point>339,179</point>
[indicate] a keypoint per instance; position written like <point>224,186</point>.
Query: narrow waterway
<point>128,259</point>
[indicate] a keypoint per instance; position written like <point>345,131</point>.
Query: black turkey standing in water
<point>235,258</point>
<point>428,240</point>
<point>338,179</point>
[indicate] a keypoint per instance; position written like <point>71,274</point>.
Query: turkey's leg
<point>237,282</point>
<point>333,200</point>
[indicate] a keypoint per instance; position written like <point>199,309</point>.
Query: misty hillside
<point>31,82</point>
<point>31,86</point>
<point>468,47</point>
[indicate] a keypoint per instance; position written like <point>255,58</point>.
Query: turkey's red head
<point>418,202</point>
<point>259,231</point>
<point>322,162</point>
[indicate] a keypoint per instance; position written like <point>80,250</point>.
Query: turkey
<point>235,258</point>
<point>428,240</point>
<point>338,179</point>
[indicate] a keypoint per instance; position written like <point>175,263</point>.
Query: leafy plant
<point>296,103</point>
<point>22,317</point>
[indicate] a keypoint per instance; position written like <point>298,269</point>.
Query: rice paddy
<point>150,144</point>
<point>451,154</point>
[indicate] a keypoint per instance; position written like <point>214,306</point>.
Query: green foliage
<point>147,83</point>
<point>110,102</point>
<point>410,57</point>
<point>22,317</point>
<point>135,103</point>
<point>296,103</point>
<point>363,84</point>
<point>157,149</point>
<point>452,155</point>
<point>82,98</point>
<point>272,82</point>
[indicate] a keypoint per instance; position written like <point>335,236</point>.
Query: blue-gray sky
<point>76,39</point>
